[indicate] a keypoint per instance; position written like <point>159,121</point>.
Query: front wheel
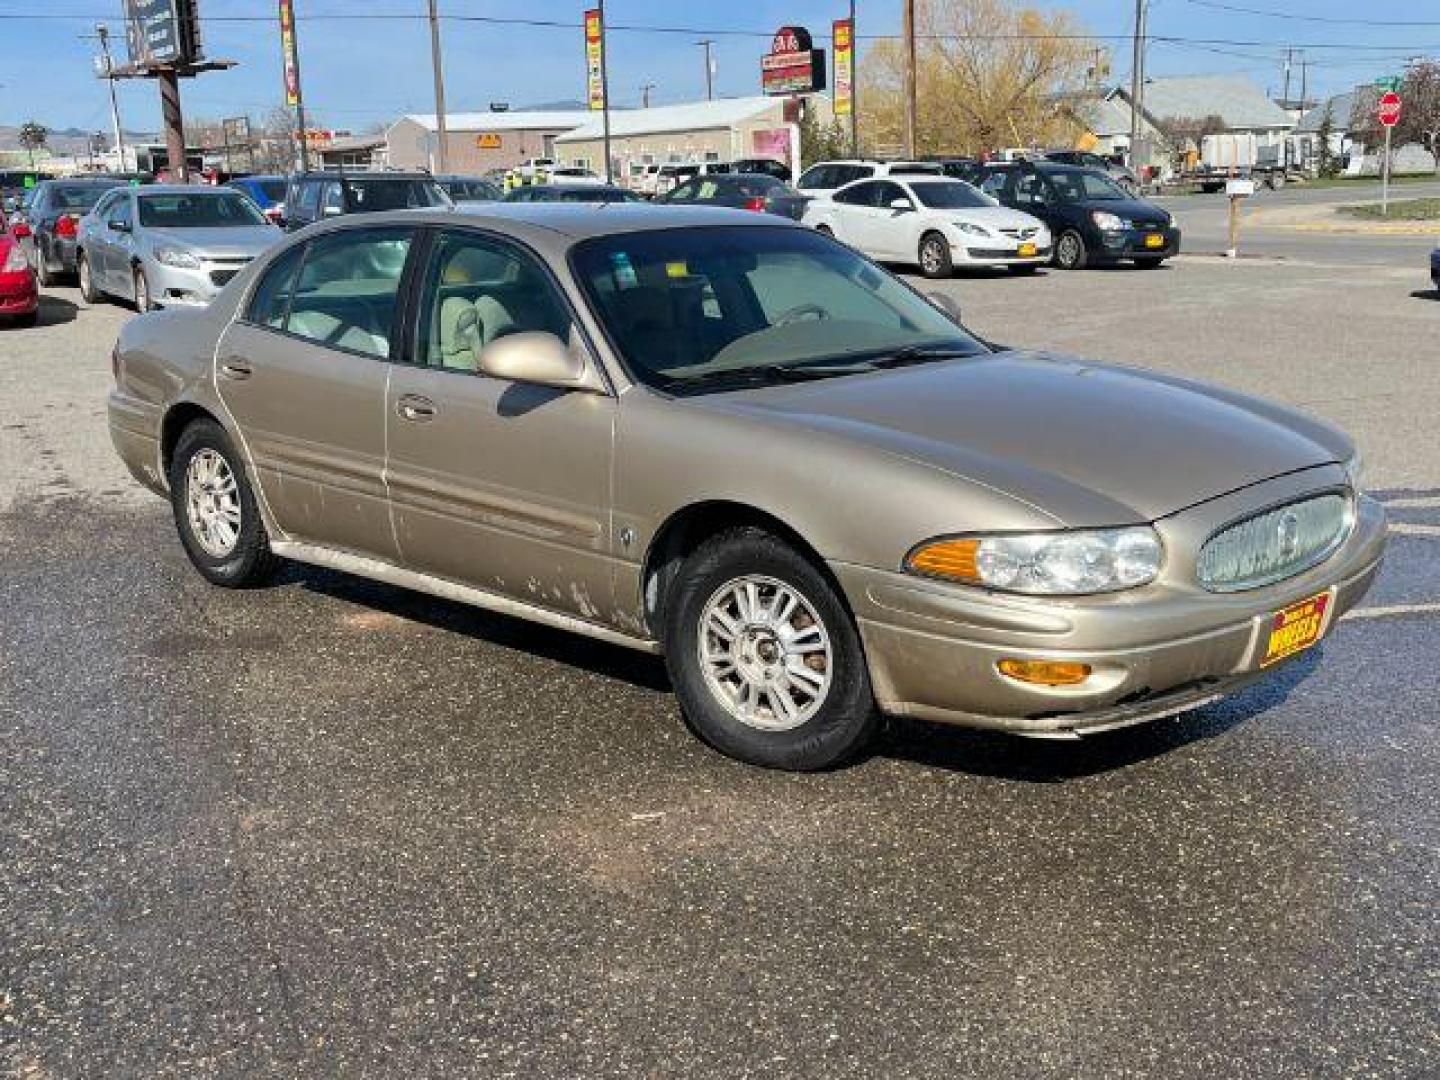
<point>934,258</point>
<point>44,276</point>
<point>215,510</point>
<point>764,656</point>
<point>1070,253</point>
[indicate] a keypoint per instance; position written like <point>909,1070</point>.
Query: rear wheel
<point>215,509</point>
<point>934,256</point>
<point>43,274</point>
<point>88,292</point>
<point>25,321</point>
<point>1070,253</point>
<point>764,656</point>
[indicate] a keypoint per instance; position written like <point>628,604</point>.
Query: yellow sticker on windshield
<point>678,268</point>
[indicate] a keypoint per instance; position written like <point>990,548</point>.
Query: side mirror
<point>945,303</point>
<point>118,226</point>
<point>901,204</point>
<point>539,357</point>
<point>21,230</point>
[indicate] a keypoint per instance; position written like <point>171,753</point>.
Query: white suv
<point>825,176</point>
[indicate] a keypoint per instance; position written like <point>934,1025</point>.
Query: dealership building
<point>720,130</point>
<point>477,142</point>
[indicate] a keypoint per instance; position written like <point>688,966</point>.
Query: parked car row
<point>19,291</point>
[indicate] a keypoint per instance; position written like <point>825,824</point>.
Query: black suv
<point>315,195</point>
<point>54,214</point>
<point>1092,218</point>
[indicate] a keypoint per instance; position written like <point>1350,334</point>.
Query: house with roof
<point>479,142</point>
<point>1347,139</point>
<point>700,131</point>
<point>1250,125</point>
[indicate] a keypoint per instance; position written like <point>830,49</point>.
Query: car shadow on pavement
<point>1426,294</point>
<point>613,661</point>
<point>55,312</point>
<point>1046,761</point>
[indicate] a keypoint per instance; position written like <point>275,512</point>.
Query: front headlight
<point>1069,563</point>
<point>186,260</point>
<point>1109,222</point>
<point>972,228</point>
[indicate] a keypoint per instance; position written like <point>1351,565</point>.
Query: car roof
<point>179,189</point>
<point>388,174</point>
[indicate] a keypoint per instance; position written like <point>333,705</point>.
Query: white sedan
<point>934,222</point>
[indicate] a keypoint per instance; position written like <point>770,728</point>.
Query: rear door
<point>851,214</point>
<point>303,371</point>
<point>499,485</point>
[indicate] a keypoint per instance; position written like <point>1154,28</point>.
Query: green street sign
<point>1389,82</point>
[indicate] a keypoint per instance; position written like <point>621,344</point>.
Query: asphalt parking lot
<point>332,828</point>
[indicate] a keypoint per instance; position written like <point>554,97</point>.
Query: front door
<point>303,372</point>
<point>116,238</point>
<point>499,485</point>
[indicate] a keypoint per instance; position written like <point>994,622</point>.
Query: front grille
<point>1021,234</point>
<point>1275,545</point>
<point>1000,253</point>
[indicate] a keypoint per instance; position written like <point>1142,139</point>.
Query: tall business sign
<point>793,65</point>
<point>844,36</point>
<point>595,57</point>
<point>162,32</point>
<point>290,59</point>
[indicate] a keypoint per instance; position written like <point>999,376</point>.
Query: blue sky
<point>358,71</point>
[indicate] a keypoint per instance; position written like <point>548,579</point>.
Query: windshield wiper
<point>919,354</point>
<point>761,374</point>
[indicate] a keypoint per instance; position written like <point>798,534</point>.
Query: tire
<point>1024,270</point>
<point>44,276</point>
<point>1070,252</point>
<point>235,558</point>
<point>24,322</point>
<point>141,290</point>
<point>934,256</point>
<point>831,711</point>
<point>1148,262</point>
<point>88,292</point>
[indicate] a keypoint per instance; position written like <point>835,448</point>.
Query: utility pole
<point>605,87</point>
<point>174,124</point>
<point>442,157</point>
<point>709,70</point>
<point>1285,94</point>
<point>910,78</point>
<point>1137,83</point>
<point>645,89</point>
<point>103,33</point>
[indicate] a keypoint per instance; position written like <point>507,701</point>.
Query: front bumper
<point>1134,243</point>
<point>177,286</point>
<point>933,648</point>
<point>999,250</point>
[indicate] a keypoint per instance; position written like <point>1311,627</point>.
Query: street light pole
<point>605,87</point>
<point>645,89</point>
<point>1137,83</point>
<point>709,71</point>
<point>103,32</point>
<point>442,158</point>
<point>910,78</point>
<point>854,86</point>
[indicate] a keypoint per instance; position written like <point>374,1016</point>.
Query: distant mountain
<point>67,141</point>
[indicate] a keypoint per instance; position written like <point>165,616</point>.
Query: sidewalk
<point>1326,218</point>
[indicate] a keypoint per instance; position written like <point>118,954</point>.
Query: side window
<point>309,200</point>
<point>858,172</point>
<point>994,184</point>
<point>687,190</point>
<point>1030,190</point>
<point>120,211</point>
<point>814,177</point>
<point>886,192</point>
<point>345,294</point>
<point>270,302</point>
<point>478,290</point>
<point>102,208</point>
<point>333,201</point>
<point>859,195</point>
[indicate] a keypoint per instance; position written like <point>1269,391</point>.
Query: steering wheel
<point>799,311</point>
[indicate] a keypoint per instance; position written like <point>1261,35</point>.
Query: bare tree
<point>1420,115</point>
<point>1185,135</point>
<point>989,74</point>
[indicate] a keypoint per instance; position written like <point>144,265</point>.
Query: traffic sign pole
<point>1385,177</point>
<point>1388,113</point>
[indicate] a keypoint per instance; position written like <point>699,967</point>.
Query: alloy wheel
<point>765,652</point>
<point>212,503</point>
<point>932,257</point>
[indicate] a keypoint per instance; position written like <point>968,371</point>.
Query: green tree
<point>821,142</point>
<point>33,137</point>
<point>1327,164</point>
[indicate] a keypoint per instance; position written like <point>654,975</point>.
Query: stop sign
<point>1389,111</point>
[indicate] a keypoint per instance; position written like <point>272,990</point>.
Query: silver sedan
<point>169,244</point>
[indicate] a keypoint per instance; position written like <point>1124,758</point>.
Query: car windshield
<point>392,193</point>
<point>475,190</point>
<point>953,195</point>
<point>273,190</point>
<point>708,309</point>
<point>79,197</point>
<point>199,210</point>
<point>588,193</point>
<point>1085,186</point>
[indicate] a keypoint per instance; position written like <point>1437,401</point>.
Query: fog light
<point>1045,672</point>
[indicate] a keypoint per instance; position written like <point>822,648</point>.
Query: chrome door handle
<point>236,369</point>
<point>416,408</point>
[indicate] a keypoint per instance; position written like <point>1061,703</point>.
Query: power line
<point>1292,16</point>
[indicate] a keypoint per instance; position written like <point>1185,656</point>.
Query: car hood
<point>1087,444</point>
<point>1137,209</point>
<point>221,241</point>
<point>995,217</point>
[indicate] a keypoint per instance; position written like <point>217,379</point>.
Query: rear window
<point>80,197</point>
<point>392,193</point>
<point>274,190</point>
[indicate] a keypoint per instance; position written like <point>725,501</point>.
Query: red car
<point>19,292</point>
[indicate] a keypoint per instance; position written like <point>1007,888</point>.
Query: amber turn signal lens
<point>1046,672</point>
<point>947,558</point>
